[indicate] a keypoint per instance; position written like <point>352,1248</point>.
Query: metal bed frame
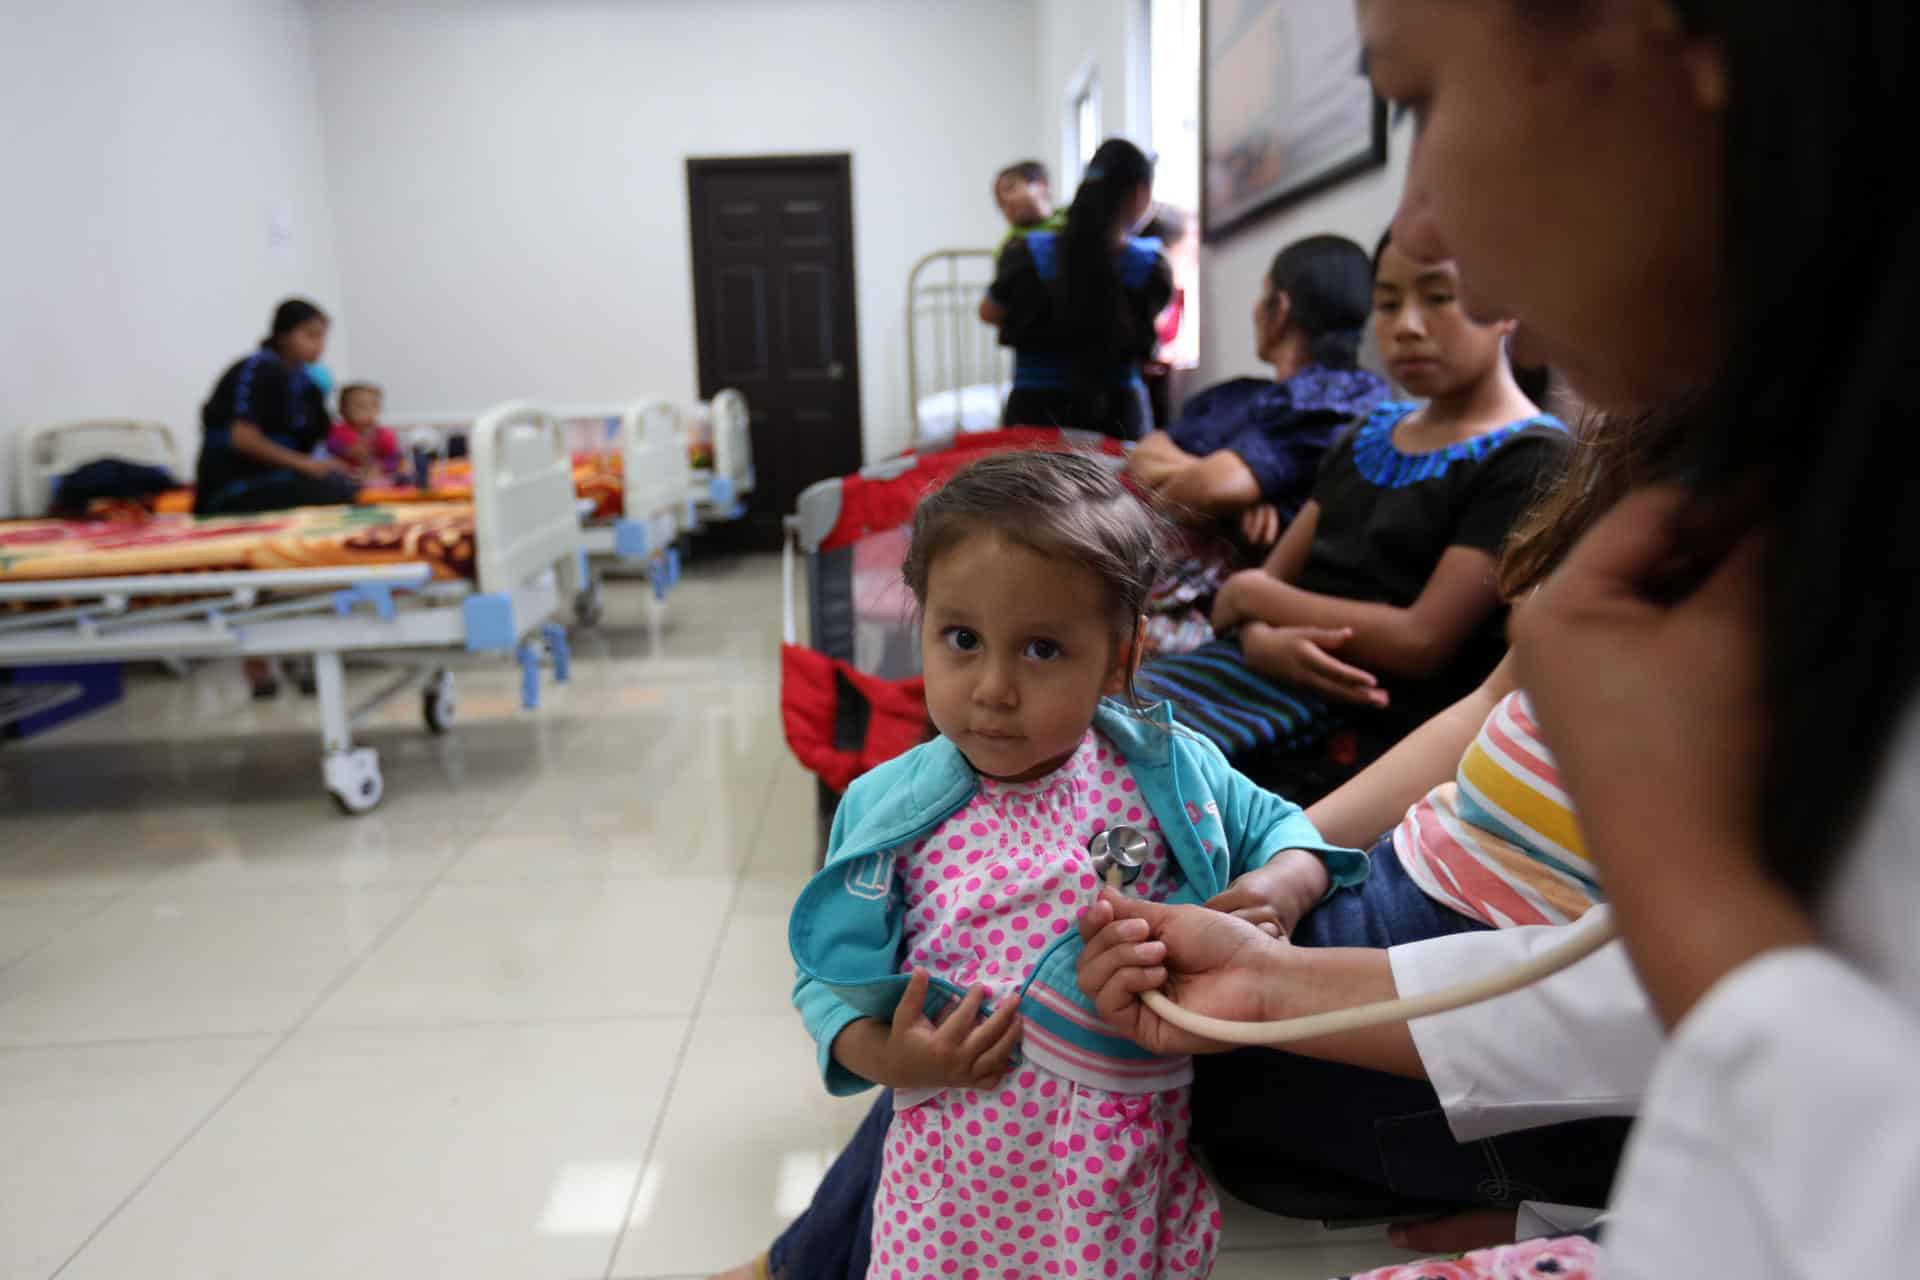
<point>528,556</point>
<point>950,353</point>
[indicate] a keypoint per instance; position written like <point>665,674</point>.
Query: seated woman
<point>1078,306</point>
<point>258,432</point>
<point>1247,449</point>
<point>263,421</point>
<point>1378,606</point>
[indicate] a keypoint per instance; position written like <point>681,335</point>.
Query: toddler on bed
<point>358,439</point>
<point>936,950</point>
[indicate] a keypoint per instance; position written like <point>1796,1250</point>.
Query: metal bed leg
<point>352,774</point>
<point>561,652</point>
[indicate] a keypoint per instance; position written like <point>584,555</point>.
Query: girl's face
<point>1570,164</point>
<point>307,343</point>
<point>1017,651</point>
<point>1432,347</point>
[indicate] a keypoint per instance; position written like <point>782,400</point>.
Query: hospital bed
<point>525,562</point>
<point>957,372</point>
<point>719,490</point>
<point>45,453</point>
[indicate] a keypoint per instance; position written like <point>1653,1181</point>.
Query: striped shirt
<point>1500,843</point>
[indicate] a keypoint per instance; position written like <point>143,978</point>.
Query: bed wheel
<point>588,608</point>
<point>354,781</point>
<point>437,701</point>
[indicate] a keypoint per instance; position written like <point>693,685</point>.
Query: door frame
<point>835,164</point>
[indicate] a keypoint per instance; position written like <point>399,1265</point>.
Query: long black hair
<point>1092,301</point>
<point>288,316</point>
<point>1328,281</point>
<point>1813,404</point>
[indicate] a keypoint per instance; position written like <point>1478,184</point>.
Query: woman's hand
<point>1260,525</point>
<point>1302,656</point>
<point>1230,603</point>
<point>1206,961</point>
<point>1274,897</point>
<point>1655,713</point>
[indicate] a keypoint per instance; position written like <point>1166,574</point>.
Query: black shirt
<point>1386,518</point>
<point>1027,281</point>
<point>276,397</point>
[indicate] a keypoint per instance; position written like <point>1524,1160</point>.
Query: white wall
<point>1359,209</point>
<point>509,175</point>
<point>146,149</point>
<point>1072,35</point>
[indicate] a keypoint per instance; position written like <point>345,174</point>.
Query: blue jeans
<point>1264,1113</point>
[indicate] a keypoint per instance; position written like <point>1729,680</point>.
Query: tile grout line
<point>686,1040</point>
<point>247,1077</point>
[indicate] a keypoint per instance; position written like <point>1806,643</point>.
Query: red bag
<point>841,722</point>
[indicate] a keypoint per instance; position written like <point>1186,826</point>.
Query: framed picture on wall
<point>1285,109</point>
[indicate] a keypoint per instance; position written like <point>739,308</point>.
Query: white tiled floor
<point>527,1020</point>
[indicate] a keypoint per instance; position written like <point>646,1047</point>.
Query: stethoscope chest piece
<point>1120,849</point>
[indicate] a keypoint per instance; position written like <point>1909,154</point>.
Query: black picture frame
<point>1254,198</point>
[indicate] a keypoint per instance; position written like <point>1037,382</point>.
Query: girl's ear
<point>1126,661</point>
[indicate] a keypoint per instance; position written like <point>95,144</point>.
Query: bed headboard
<point>654,466</point>
<point>732,438</point>
<point>526,517</point>
<point>47,452</point>
<point>956,367</point>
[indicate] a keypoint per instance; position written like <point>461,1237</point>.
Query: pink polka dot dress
<point>1043,1177</point>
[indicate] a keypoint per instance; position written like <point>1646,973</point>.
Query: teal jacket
<point>847,930</point>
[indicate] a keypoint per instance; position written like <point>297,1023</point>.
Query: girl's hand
<point>1303,656</point>
<point>1205,961</point>
<point>1260,525</point>
<point>1273,898</point>
<point>1655,714</point>
<point>963,1051</point>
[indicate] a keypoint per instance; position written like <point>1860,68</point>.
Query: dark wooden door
<point>774,310</point>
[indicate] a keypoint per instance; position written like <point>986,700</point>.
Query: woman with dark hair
<point>263,421</point>
<point>1248,448</point>
<point>1723,666</point>
<point>259,430</point>
<point>1078,306</point>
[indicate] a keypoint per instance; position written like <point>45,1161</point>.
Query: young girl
<point>358,439</point>
<point>1078,306</point>
<point>1380,597</point>
<point>936,951</point>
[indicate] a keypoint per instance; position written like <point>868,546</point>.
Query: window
<point>1082,126</point>
<point>1172,58</point>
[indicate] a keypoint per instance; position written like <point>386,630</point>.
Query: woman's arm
<point>992,312</point>
<point>1413,642</point>
<point>250,441</point>
<point>1375,800</point>
<point>1220,484</point>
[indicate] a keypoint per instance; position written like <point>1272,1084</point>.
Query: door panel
<point>774,309</point>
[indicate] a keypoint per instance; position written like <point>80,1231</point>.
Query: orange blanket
<point>596,476</point>
<point>437,534</point>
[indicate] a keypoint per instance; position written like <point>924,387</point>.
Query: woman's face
<point>1432,346</point>
<point>307,343</point>
<point>1570,166</point>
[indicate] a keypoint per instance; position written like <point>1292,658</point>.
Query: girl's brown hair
<point>1064,506</point>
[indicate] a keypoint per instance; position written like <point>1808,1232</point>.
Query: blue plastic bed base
<point>377,594</point>
<point>489,620</point>
<point>722,492</point>
<point>666,574</point>
<point>632,540</point>
<point>529,676</point>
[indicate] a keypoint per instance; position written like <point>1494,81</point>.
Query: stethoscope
<point>1120,853</point>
